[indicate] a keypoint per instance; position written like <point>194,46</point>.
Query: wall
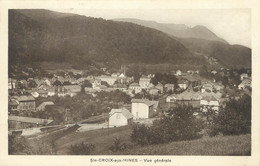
<point>142,110</point>
<point>117,119</point>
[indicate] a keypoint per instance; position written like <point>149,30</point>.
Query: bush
<point>234,118</point>
<point>178,125</point>
<point>118,145</point>
<point>82,149</point>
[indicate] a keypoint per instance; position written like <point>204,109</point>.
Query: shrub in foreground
<point>82,149</point>
<point>180,124</point>
<point>234,118</point>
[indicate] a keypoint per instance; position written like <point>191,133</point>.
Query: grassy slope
<point>229,145</point>
<point>103,139</point>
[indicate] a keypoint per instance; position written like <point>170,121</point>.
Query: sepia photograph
<point>83,84</point>
<point>129,82</point>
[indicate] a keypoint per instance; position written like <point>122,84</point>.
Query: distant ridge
<point>177,30</point>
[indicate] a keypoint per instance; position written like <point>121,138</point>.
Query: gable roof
<point>45,103</point>
<point>124,111</point>
<point>209,98</point>
<point>30,120</point>
<point>24,98</point>
<point>146,102</point>
<point>134,85</point>
<point>13,103</point>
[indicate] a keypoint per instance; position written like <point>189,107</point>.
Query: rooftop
<point>124,111</point>
<point>30,120</point>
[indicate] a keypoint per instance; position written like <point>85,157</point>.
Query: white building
<point>120,117</point>
<point>209,102</point>
<point>144,82</point>
<point>178,73</point>
<point>135,87</point>
<point>207,87</point>
<point>243,76</point>
<point>244,84</point>
<point>143,108</point>
<point>183,84</point>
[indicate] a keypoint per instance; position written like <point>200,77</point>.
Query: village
<point>33,106</point>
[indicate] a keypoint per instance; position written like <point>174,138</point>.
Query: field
<point>228,145</point>
<point>103,140</point>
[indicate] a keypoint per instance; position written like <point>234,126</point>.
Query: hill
<point>200,39</point>
<point>178,30</point>
<point>104,139</point>
<point>37,35</point>
<point>228,55</point>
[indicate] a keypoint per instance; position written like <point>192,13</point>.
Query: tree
<point>234,118</point>
<point>104,83</point>
<point>66,83</point>
<point>57,83</point>
<point>204,71</point>
<point>87,83</point>
<point>117,145</point>
<point>32,84</point>
<point>180,124</point>
<point>82,149</point>
<point>225,81</point>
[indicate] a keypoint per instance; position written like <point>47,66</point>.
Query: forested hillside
<point>42,35</point>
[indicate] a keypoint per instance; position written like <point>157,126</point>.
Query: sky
<point>233,25</point>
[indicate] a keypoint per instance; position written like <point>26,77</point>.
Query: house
<point>159,86</point>
<point>154,91</point>
<point>246,83</point>
<point>115,74</point>
<point>11,83</point>
<point>243,76</point>
<point>35,94</point>
<point>151,85</point>
<point>169,87</point>
<point>72,90</point>
<point>47,82</point>
<point>209,102</point>
<point>42,106</point>
<point>144,82</point>
<point>81,80</point>
<point>135,87</point>
<point>19,122</point>
<point>214,72</point>
<point>96,83</point>
<point>196,84</point>
<point>51,91</point>
<point>178,73</point>
<point>12,106</point>
<point>207,87</point>
<point>185,96</point>
<point>120,117</point>
<point>109,79</point>
<point>25,103</point>
<point>143,108</point>
<point>42,92</point>
<point>190,71</point>
<point>183,84</point>
<point>60,91</point>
